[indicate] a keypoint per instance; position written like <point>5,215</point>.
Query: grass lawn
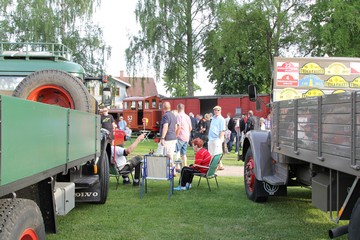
<point>224,213</point>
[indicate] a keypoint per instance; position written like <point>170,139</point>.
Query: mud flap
<point>91,194</point>
<point>265,189</point>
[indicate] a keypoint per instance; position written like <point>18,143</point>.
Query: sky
<point>117,19</point>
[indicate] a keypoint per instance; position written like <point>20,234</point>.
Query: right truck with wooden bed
<point>314,139</point>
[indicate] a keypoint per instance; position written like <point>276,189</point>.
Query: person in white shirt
<point>128,165</point>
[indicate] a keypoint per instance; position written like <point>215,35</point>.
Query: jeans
<point>231,141</point>
<point>135,162</point>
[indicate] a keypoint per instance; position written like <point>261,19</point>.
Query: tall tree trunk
<point>189,51</point>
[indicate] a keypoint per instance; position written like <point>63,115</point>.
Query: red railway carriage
<point>234,104</point>
<point>141,113</point>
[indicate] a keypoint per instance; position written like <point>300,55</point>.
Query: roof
<point>120,81</point>
<point>136,88</point>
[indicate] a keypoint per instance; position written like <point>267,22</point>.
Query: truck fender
<point>260,144</point>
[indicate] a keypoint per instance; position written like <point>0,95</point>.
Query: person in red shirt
<point>202,158</point>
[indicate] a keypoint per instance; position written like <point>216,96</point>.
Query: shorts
<point>215,147</point>
<point>170,148</point>
<point>181,147</point>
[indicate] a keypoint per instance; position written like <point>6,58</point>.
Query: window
<point>117,92</point>
<point>140,105</point>
<point>153,104</point>
<point>133,105</point>
<point>147,104</point>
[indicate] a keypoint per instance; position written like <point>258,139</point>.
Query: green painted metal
<point>36,137</point>
<point>21,67</point>
<point>22,59</point>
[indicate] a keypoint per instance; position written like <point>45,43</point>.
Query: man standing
<point>216,134</point>
<point>107,121</point>
<point>168,127</point>
<point>183,132</point>
<point>250,122</point>
<point>231,126</point>
<point>193,126</point>
<point>240,127</point>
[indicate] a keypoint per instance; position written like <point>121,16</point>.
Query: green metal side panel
<point>35,137</point>
<point>21,67</point>
<point>83,135</point>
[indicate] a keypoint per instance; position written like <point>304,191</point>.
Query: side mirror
<point>252,93</point>
<point>106,96</point>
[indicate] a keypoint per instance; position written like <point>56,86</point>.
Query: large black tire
<point>354,225</point>
<point>20,219</point>
<point>250,182</point>
<point>55,87</point>
<point>104,176</point>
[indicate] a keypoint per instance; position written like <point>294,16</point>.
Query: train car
<point>140,113</point>
<point>234,104</point>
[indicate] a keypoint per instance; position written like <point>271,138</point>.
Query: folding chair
<point>211,172</point>
<point>157,168</point>
<point>116,172</point>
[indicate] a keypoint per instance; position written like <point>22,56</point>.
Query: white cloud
<point>117,18</point>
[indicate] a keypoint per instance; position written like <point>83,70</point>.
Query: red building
<point>234,104</point>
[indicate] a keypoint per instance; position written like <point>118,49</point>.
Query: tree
<point>171,38</point>
<point>333,29</point>
<point>56,21</point>
<point>248,36</point>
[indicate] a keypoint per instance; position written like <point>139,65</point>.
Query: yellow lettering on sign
<point>355,83</point>
<point>312,68</point>
<point>336,81</point>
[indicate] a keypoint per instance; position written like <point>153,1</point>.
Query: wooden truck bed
<point>321,130</point>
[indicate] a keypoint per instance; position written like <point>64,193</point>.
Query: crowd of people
<point>209,134</point>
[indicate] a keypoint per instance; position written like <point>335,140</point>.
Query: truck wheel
<point>21,219</point>
<point>354,230</point>
<point>104,175</point>
<point>54,87</point>
<point>250,182</point>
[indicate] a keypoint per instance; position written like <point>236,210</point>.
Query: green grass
<point>224,213</point>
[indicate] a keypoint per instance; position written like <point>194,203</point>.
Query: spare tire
<point>55,87</point>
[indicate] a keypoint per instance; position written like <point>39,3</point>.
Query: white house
<point>119,91</point>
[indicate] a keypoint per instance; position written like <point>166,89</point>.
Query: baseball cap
<point>217,108</point>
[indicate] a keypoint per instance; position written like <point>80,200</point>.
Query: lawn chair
<point>211,172</point>
<point>116,172</point>
<point>157,168</point>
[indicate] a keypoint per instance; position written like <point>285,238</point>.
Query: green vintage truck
<point>53,150</point>
<point>314,139</point>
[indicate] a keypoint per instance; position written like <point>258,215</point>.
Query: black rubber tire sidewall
<point>253,196</point>
<point>249,194</point>
<point>17,215</point>
<point>354,225</point>
<point>76,89</point>
<point>104,176</point>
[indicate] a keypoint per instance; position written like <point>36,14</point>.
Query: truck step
<point>274,180</point>
<point>87,181</point>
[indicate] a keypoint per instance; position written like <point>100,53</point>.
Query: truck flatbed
<point>40,140</point>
